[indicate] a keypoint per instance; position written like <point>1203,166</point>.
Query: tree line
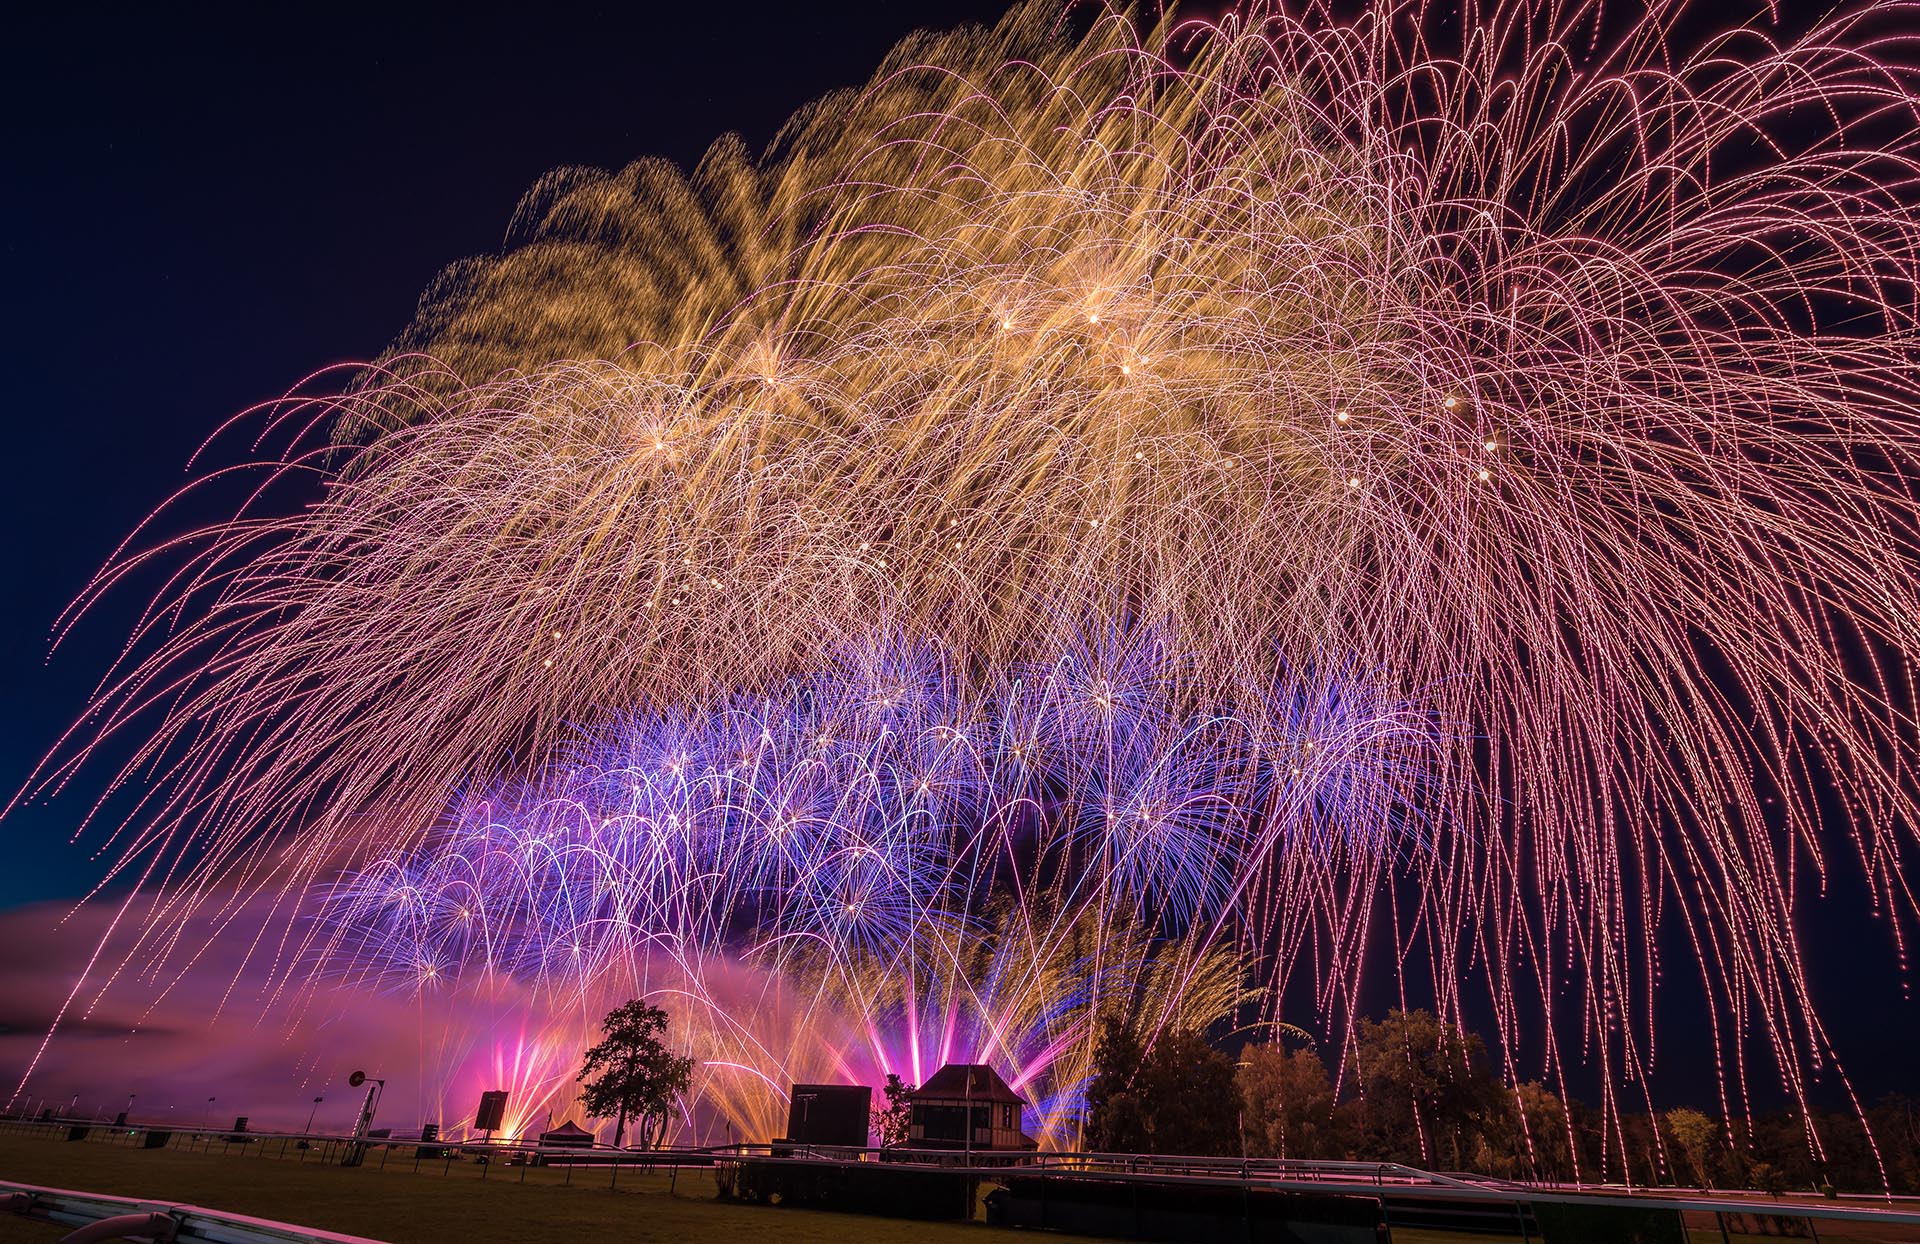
<point>1417,1091</point>
<point>1424,1093</point>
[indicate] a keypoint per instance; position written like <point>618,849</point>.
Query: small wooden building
<point>963,1093</point>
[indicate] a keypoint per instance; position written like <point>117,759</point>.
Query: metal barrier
<point>97,1217</point>
<point>1401,1188</point>
<point>1386,1181</point>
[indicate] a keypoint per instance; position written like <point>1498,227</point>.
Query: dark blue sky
<point>203,209</point>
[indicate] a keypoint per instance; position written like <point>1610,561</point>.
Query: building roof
<point>967,1081</point>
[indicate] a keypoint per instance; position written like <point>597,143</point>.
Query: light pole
<point>205,1111</point>
<point>312,1112</point>
<point>357,1151</point>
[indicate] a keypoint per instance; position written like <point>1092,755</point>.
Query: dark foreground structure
<point>1119,1196</point>
<point>828,1114</point>
<point>1126,1207</point>
<point>1174,1199</point>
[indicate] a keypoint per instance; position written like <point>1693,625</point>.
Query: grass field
<point>431,1207</point>
<point>432,1201</point>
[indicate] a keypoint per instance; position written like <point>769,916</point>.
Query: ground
<point>434,1202</point>
<point>442,1202</point>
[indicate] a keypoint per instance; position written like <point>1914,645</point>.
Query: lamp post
<point>312,1112</point>
<point>205,1112</point>
<point>357,1151</point>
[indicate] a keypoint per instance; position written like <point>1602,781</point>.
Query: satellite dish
<point>357,1079</point>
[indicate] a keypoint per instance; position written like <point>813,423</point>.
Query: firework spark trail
<point>1559,373</point>
<point>841,839</point>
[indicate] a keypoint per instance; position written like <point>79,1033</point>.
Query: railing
<point>378,1149</point>
<point>1291,1170</point>
<point>112,1217</point>
<point>1378,1180</point>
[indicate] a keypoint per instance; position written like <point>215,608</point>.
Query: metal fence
<point>1392,1184</point>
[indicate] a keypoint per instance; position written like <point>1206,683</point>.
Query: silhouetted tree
<point>631,1072</point>
<point>1896,1125</point>
<point>1428,1093</point>
<point>893,1121</point>
<point>1115,1123</point>
<point>1848,1157</point>
<point>1190,1100</point>
<point>1731,1158</point>
<point>1641,1160</point>
<point>1181,1097</point>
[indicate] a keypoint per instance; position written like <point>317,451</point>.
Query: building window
<point>1008,1120</point>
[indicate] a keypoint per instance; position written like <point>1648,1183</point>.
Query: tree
<point>1693,1132</point>
<point>1896,1124</point>
<point>1114,1117</point>
<point>631,1072</point>
<point>1288,1104</point>
<point>1428,1093</point>
<point>1527,1137</point>
<point>1641,1149</point>
<point>891,1123</point>
<point>1179,1097</point>
<point>1781,1140</point>
<point>1190,1099</point>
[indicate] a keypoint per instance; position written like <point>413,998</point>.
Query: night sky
<point>203,209</point>
<point>206,209</point>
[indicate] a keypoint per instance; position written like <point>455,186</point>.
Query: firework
<point>878,871</point>
<point>1530,390</point>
